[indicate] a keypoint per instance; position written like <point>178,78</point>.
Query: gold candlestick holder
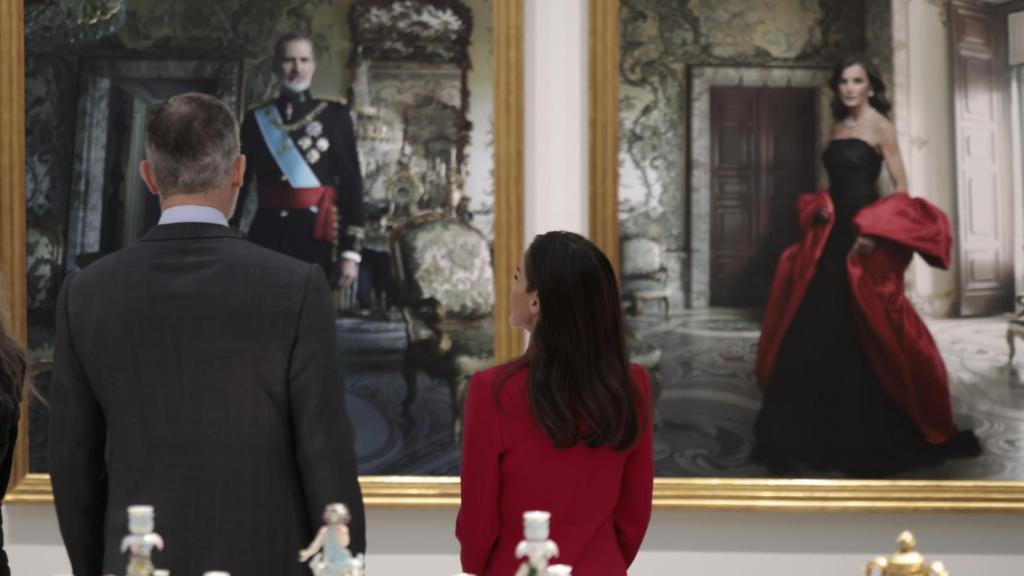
<point>906,562</point>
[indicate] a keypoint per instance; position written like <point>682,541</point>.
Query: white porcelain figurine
<point>330,546</point>
<point>536,548</point>
<point>141,541</point>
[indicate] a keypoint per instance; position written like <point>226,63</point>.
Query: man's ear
<point>148,176</point>
<point>238,171</point>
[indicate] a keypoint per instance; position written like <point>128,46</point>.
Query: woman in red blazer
<point>565,428</point>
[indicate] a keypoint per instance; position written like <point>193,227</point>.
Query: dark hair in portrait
<point>579,384</point>
<point>288,38</point>
<point>13,371</point>
<point>878,101</point>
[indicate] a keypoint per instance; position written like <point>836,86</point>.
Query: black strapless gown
<point>825,408</point>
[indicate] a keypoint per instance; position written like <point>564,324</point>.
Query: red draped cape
<point>895,339</point>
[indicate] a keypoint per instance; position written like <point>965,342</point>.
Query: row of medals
<point>312,143</point>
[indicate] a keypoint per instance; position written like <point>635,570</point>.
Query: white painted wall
<point>421,542</point>
<point>556,116</point>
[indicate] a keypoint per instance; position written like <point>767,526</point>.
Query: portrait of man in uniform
<point>368,130</point>
<point>302,155</point>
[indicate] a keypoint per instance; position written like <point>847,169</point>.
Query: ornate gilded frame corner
<point>379,491</point>
<point>778,494</point>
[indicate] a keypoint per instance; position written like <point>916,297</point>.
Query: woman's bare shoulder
<point>882,127</point>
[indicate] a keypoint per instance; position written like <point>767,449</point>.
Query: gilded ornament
<point>906,562</point>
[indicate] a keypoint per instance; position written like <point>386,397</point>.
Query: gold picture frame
<point>754,493</point>
<point>386,491</point>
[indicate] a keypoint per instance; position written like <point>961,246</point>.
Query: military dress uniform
<point>302,153</point>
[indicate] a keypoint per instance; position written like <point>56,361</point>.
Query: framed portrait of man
<point>410,112</point>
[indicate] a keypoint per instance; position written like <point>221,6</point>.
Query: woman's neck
<point>859,112</point>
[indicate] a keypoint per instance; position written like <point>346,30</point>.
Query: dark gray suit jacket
<point>197,372</point>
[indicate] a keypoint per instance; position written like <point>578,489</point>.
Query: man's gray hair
<point>191,143</point>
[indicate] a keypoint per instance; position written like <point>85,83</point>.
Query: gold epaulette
<point>335,99</point>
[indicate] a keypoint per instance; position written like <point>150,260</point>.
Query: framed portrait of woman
<point>707,123</point>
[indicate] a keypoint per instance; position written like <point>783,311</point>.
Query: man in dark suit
<point>302,154</point>
<point>197,372</point>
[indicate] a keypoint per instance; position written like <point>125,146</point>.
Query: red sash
<point>288,198</point>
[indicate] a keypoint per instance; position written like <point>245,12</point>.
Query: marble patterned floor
<point>708,404</point>
<point>371,358</point>
<point>710,399</point>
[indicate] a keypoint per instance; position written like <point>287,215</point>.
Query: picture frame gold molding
<point>380,491</point>
<point>778,494</point>
<point>603,113</point>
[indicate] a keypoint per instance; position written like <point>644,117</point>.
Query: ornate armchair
<point>446,294</point>
<point>644,276</point>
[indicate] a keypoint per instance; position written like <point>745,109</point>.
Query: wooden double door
<point>985,203</point>
<point>762,157</point>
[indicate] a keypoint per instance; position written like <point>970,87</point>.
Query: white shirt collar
<point>192,213</point>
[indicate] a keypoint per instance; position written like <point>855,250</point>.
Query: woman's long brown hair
<point>579,384</point>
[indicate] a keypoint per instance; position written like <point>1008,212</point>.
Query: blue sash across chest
<point>291,162</point>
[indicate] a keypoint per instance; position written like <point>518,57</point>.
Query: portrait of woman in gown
<point>852,381</point>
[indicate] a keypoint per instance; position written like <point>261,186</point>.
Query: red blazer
<point>599,498</point>
<point>896,341</point>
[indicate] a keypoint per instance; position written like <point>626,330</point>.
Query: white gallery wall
<point>555,109</point>
<point>421,542</point>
